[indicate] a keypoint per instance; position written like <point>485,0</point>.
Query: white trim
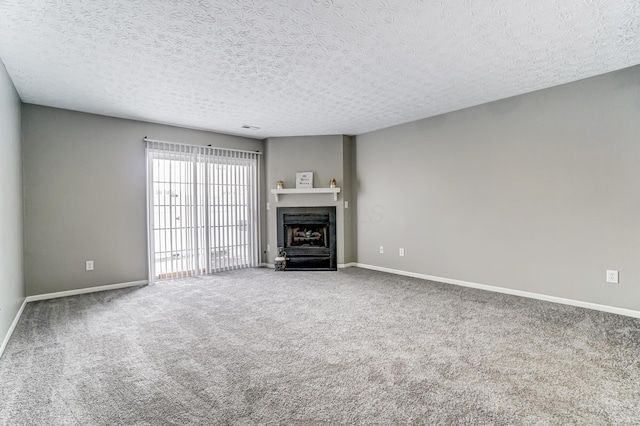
<point>85,290</point>
<point>5,342</point>
<point>278,192</point>
<point>146,139</point>
<point>267,265</point>
<point>527,294</point>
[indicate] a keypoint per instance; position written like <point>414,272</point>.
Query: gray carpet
<point>350,347</point>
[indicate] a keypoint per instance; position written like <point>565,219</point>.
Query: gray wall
<point>347,194</point>
<point>12,291</point>
<point>84,184</point>
<point>539,192</point>
<point>323,155</point>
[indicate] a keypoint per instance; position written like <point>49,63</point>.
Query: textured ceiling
<point>305,67</point>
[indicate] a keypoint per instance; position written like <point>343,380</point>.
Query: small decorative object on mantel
<point>304,180</point>
<point>333,183</point>
<point>280,184</point>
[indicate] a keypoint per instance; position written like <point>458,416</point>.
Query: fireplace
<point>308,236</point>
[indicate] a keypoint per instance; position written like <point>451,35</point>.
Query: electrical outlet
<point>401,252</point>
<point>89,265</point>
<point>612,276</point>
<point>346,204</point>
<point>268,247</point>
<point>381,250</point>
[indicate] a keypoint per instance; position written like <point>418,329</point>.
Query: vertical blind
<point>202,209</point>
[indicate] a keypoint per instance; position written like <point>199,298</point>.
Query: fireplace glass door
<point>307,235</point>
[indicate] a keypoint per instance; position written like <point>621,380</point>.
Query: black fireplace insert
<point>308,236</point>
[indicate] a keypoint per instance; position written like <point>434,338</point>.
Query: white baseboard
<point>12,328</point>
<point>547,298</point>
<point>85,290</point>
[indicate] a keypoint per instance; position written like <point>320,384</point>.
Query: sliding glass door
<point>202,210</point>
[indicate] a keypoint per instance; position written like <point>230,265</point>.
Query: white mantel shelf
<point>293,191</point>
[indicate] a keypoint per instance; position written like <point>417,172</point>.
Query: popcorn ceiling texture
<point>305,67</point>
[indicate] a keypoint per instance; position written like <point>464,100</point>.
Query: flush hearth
<point>308,235</point>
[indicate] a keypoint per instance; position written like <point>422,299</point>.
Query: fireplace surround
<point>308,236</point>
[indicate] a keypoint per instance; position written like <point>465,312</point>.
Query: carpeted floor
<point>350,347</point>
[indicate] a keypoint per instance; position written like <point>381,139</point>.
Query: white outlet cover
<point>89,265</point>
<point>381,249</point>
<point>612,276</point>
<point>401,252</point>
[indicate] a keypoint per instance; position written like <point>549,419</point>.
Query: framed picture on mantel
<point>304,180</point>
